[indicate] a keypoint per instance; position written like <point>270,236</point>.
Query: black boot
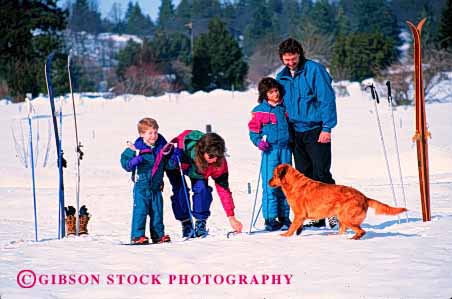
<point>272,225</point>
<point>187,229</point>
<point>200,228</point>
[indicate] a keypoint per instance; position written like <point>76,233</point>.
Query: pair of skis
<point>422,134</point>
<point>58,132</point>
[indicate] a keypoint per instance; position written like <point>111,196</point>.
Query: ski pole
<point>377,101</point>
<point>192,233</point>
<point>30,116</point>
<point>252,222</point>
<point>388,84</point>
<point>78,145</point>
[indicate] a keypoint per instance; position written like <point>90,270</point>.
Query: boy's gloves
<point>135,161</point>
<point>263,146</point>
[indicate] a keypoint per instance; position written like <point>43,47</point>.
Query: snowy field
<point>395,259</point>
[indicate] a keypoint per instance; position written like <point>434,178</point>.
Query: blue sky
<point>150,7</point>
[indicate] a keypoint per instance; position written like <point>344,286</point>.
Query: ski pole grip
<point>388,84</point>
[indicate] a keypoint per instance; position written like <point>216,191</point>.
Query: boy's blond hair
<point>147,123</point>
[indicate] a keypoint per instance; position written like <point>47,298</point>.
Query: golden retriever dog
<point>311,199</point>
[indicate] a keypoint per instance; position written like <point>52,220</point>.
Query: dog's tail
<point>381,208</point>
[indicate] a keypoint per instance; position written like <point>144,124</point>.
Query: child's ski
<point>78,144</point>
<point>422,133</point>
<point>61,160</point>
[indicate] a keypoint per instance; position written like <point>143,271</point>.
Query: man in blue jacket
<point>311,105</point>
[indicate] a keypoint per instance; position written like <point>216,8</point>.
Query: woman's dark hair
<point>291,46</point>
<point>213,145</point>
<point>265,85</point>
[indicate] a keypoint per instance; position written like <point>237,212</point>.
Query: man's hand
<point>324,137</point>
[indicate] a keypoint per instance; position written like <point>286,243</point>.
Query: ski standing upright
<point>61,161</point>
<point>422,133</point>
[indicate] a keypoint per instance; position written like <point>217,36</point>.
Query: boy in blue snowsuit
<point>148,158</point>
<point>269,119</point>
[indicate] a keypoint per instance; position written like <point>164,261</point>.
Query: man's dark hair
<point>291,46</point>
<point>265,85</point>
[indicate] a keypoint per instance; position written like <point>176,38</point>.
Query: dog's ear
<point>282,170</point>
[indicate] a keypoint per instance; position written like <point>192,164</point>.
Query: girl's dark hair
<point>265,85</point>
<point>213,145</point>
<point>291,46</point>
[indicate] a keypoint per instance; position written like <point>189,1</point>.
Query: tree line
<point>208,44</point>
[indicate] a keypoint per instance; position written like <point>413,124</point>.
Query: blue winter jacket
<point>270,121</point>
<point>150,171</point>
<point>309,97</point>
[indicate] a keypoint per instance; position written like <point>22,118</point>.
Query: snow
<point>393,260</point>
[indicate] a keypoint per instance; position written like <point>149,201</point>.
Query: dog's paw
<point>285,234</point>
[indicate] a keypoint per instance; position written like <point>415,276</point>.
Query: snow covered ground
<point>393,260</point>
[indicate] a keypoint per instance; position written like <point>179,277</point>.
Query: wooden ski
<point>422,133</point>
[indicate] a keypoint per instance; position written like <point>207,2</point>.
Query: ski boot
<point>272,225</point>
<point>285,221</point>
<point>187,229</point>
<point>83,217</point>
<point>164,239</point>
<point>200,228</point>
<point>70,220</point>
<point>143,240</point>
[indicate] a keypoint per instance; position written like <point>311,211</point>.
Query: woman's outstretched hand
<point>235,224</point>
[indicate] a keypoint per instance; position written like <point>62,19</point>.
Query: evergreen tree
<point>259,26</point>
<point>342,21</point>
<point>166,14</point>
<point>322,16</point>
<point>445,28</point>
<point>205,9</point>
<point>116,17</point>
<point>29,31</point>
<point>218,60</point>
<point>85,17</point>
<point>374,16</point>
<point>183,12</point>
<point>430,28</point>
<point>127,56</point>
<point>290,17</point>
<point>136,22</point>
<point>358,56</point>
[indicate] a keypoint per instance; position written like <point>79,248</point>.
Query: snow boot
<point>143,240</point>
<point>164,239</point>
<point>83,217</point>
<point>272,225</point>
<point>70,220</point>
<point>200,228</point>
<point>285,221</point>
<point>187,228</point>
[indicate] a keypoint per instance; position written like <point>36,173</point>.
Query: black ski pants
<point>312,158</point>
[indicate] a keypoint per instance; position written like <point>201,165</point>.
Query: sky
<point>150,7</point>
